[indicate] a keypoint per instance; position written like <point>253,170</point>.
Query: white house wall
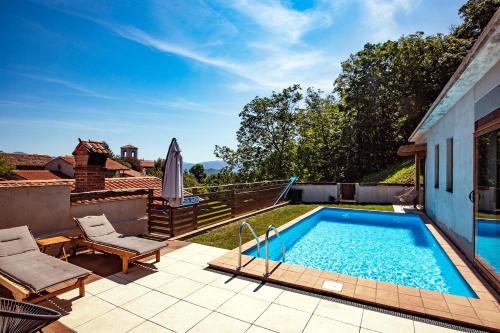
<point>454,211</point>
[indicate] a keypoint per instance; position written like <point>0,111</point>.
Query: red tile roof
<point>147,164</point>
<point>25,183</point>
<point>28,160</point>
<point>38,174</point>
<point>132,173</point>
<point>110,164</point>
<point>94,146</point>
<point>128,146</point>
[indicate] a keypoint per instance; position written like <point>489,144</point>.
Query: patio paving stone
<point>261,291</point>
<point>203,275</point>
<point>280,318</point>
<point>210,297</point>
<point>180,287</point>
<point>104,284</point>
<point>150,304</point>
<point>257,329</point>
<point>180,268</point>
<point>298,301</point>
<point>321,324</point>
<point>243,307</point>
<point>149,327</point>
<point>123,294</point>
<point>382,323</point>
<point>83,311</point>
<point>114,321</point>
<point>220,323</point>
<point>181,316</point>
<point>340,312</point>
<point>231,283</point>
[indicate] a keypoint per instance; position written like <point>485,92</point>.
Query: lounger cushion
<point>98,229</point>
<point>95,226</point>
<point>15,241</point>
<point>130,243</point>
<point>38,271</point>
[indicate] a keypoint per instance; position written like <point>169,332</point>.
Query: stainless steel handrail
<point>242,226</point>
<point>272,227</point>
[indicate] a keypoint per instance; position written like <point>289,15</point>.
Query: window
<point>436,166</point>
<point>449,165</point>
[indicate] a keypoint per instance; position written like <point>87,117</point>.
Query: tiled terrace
<point>483,312</point>
<point>183,295</point>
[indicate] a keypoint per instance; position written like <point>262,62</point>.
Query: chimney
<point>90,165</point>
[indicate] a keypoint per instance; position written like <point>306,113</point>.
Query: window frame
<point>436,166</point>
<point>449,165</point>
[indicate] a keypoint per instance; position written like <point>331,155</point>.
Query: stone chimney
<point>90,166</point>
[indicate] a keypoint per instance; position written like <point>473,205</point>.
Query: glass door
<point>487,202</point>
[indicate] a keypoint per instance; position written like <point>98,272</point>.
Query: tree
<point>6,167</point>
<point>266,137</point>
<point>190,180</point>
<point>198,171</point>
<point>320,145</point>
<point>475,14</point>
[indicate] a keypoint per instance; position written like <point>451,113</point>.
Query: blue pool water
<point>488,242</point>
<point>389,247</point>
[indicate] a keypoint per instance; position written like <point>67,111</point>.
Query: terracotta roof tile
<point>37,174</point>
<point>128,146</point>
<point>147,164</point>
<point>28,160</point>
<point>132,173</point>
<point>26,183</point>
<point>94,146</point>
<point>110,164</point>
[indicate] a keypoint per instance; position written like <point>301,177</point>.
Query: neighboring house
<point>36,175</point>
<point>23,161</point>
<point>147,166</point>
<point>457,143</point>
<point>66,165</point>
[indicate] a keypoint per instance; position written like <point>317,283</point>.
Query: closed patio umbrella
<point>173,176</point>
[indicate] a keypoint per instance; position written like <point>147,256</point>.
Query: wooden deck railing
<point>220,203</point>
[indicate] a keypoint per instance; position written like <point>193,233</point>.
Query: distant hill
<point>211,167</point>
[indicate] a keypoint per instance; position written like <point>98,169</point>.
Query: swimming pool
<point>389,247</point>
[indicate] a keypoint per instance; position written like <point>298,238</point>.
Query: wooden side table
<point>44,243</point>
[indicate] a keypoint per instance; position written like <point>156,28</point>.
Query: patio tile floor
<point>217,303</point>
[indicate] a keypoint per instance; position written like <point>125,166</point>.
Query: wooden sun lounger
<point>21,293</point>
<point>126,256</point>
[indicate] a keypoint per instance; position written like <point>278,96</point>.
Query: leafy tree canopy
<point>6,167</point>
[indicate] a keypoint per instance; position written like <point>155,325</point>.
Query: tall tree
<point>6,167</point>
<point>198,171</point>
<point>266,137</point>
<point>475,14</point>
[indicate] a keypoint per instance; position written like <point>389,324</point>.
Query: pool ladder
<point>271,227</point>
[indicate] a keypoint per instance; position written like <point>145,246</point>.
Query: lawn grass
<point>226,237</point>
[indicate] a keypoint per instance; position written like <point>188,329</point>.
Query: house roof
<point>132,173</point>
<point>147,164</point>
<point>27,160</point>
<point>27,183</point>
<point>483,55</point>
<point>122,183</point>
<point>128,146</point>
<point>110,164</point>
<point>92,146</point>
<point>38,174</point>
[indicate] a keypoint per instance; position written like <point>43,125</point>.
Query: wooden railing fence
<point>220,203</point>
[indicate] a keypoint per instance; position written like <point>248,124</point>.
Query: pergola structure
<point>419,151</point>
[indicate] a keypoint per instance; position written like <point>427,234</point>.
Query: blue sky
<point>142,72</point>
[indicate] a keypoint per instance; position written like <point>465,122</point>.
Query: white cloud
<point>284,23</point>
<point>380,17</point>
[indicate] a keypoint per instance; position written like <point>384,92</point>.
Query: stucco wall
<point>47,211</point>
<point>317,192</point>
<point>66,168</point>
<point>379,194</point>
<point>454,211</point>
<point>376,194</point>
